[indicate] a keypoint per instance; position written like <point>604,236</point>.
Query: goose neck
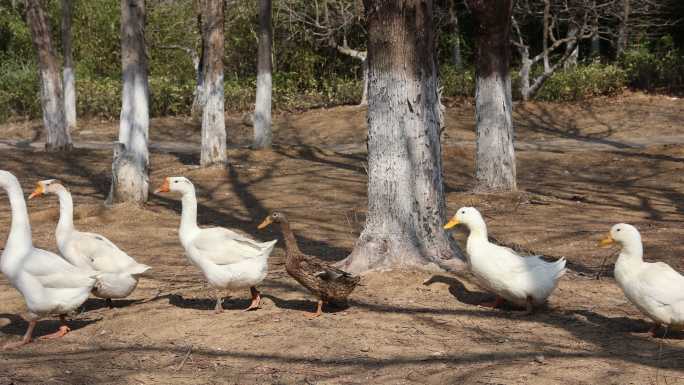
<point>66,212</point>
<point>189,212</point>
<point>20,231</point>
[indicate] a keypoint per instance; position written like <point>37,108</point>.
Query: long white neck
<point>66,212</point>
<point>478,230</point>
<point>189,212</point>
<point>19,239</point>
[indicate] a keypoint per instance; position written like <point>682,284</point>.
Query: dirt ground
<point>581,168</point>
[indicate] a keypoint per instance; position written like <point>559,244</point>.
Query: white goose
<point>227,259</point>
<point>654,288</point>
<point>525,281</point>
<point>49,284</point>
<point>118,272</point>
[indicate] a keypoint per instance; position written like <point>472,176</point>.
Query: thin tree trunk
<point>525,69</point>
<point>545,36</point>
<point>364,94</point>
<point>130,167</point>
<point>52,99</point>
<point>623,28</point>
<point>595,43</point>
<point>199,98</point>
<point>456,57</point>
<point>495,161</point>
<point>571,48</point>
<point>406,207</point>
<point>68,73</point>
<point>262,110</point>
<point>213,119</point>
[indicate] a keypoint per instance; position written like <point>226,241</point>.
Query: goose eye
<point>617,230</point>
<point>175,181</point>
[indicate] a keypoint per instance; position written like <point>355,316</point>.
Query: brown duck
<point>325,281</point>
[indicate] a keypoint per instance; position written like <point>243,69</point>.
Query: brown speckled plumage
<point>325,281</point>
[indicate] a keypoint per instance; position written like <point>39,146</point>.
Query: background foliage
<point>307,73</point>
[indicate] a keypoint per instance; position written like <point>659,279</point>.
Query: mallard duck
<point>525,281</point>
<point>656,289</point>
<point>325,281</point>
<point>227,259</point>
<point>118,272</point>
<point>49,284</point>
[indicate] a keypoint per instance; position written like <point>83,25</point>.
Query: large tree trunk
<point>68,73</point>
<point>131,159</point>
<point>213,119</point>
<point>495,162</point>
<point>52,99</point>
<point>406,208</point>
<point>262,110</point>
<point>456,57</point>
<point>623,27</point>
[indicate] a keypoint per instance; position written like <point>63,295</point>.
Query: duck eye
<point>617,230</point>
<point>175,181</point>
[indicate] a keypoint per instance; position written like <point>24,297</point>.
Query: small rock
<point>540,359</point>
<point>365,349</point>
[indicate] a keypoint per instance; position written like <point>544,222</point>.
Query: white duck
<point>525,281</point>
<point>654,288</point>
<point>118,272</point>
<point>227,259</point>
<point>49,284</point>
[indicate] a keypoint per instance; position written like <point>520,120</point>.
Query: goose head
<point>176,183</point>
<point>468,216</point>
<point>274,217</point>
<point>622,234</point>
<point>48,186</point>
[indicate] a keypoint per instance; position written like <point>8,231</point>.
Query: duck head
<point>179,184</point>
<point>274,217</point>
<point>468,216</point>
<point>48,186</point>
<point>623,234</point>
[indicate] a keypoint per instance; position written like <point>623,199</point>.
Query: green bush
<point>19,90</point>
<point>455,82</point>
<point>655,65</point>
<point>582,82</point>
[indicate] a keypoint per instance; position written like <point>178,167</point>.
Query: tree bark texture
<point>52,98</point>
<point>456,57</point>
<point>199,98</point>
<point>546,32</point>
<point>495,159</point>
<point>213,149</point>
<point>130,183</point>
<point>571,48</point>
<point>262,111</point>
<point>406,206</point>
<point>68,72</point>
<point>623,27</point>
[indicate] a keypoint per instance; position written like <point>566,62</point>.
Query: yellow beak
<point>265,223</point>
<point>453,222</point>
<point>607,241</point>
<point>164,187</point>
<point>39,190</point>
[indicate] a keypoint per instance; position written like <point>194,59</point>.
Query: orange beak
<point>39,190</point>
<point>265,223</point>
<point>607,241</point>
<point>164,187</point>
